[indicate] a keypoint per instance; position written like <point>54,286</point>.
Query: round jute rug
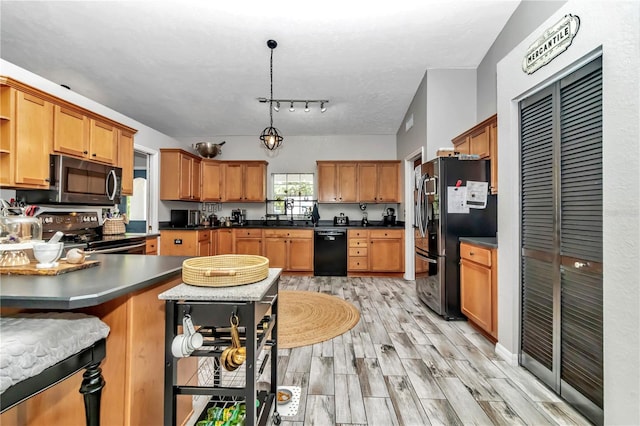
<point>308,317</point>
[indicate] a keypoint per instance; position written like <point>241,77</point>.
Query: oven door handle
<point>116,249</point>
<point>426,258</point>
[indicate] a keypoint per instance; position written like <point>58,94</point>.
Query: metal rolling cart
<point>255,309</point>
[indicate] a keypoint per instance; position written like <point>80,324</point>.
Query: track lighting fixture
<point>292,103</point>
<point>270,136</point>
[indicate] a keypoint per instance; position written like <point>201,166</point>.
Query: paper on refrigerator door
<point>456,199</point>
<point>477,194</point>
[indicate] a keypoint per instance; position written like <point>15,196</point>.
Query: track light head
<point>292,108</point>
<point>306,106</point>
<point>277,107</point>
<point>322,107</point>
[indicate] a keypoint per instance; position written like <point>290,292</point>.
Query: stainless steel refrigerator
<point>445,196</point>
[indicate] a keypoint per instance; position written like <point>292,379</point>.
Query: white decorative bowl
<point>47,253</point>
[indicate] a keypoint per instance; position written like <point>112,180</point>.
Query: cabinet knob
<point>85,152</point>
<point>94,155</point>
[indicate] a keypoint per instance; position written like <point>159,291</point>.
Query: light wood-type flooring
<point>403,365</point>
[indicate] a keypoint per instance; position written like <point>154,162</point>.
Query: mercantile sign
<point>552,43</point>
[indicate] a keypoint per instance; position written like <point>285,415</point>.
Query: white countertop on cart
<point>238,293</point>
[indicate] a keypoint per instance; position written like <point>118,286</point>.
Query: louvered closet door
<point>581,233</point>
<point>561,234</point>
<point>539,236</point>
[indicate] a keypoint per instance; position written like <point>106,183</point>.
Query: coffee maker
<point>365,219</point>
<point>389,219</point>
<point>239,216</point>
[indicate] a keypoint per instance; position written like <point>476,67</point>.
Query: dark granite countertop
<point>490,242</point>
<point>285,225</point>
<point>115,276</point>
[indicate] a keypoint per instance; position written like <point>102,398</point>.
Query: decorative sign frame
<point>552,43</point>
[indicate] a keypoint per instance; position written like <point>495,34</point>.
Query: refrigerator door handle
<point>433,179</point>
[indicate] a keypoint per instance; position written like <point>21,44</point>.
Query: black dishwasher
<point>330,253</point>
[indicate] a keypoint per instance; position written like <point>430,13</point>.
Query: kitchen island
<point>123,292</point>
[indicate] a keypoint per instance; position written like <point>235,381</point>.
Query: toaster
<point>341,220</point>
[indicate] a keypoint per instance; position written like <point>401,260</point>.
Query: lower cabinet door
<point>475,293</point>
<point>386,255</point>
<point>275,249</point>
<point>300,254</point>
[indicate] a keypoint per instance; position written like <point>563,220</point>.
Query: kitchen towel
<point>315,216</point>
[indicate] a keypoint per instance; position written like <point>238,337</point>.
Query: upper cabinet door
<point>102,142</point>
<point>255,182</point>
<point>388,183</point>
<point>327,182</point>
<point>71,132</point>
<point>34,134</point>
<point>211,180</point>
<point>125,161</point>
<point>347,179</point>
<point>233,182</point>
<point>367,182</point>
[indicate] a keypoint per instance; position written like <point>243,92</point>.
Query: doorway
<point>410,161</point>
<point>141,207</point>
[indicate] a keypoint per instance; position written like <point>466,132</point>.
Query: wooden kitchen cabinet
<point>77,135</point>
<point>224,241</point>
<point>244,181</point>
<point>289,249</point>
<point>175,242</point>
<point>103,142</point>
<point>482,140</point>
<point>27,134</point>
<point>478,286</point>
<point>45,124</point>
<point>151,248</point>
<point>337,181</point>
<point>71,132</point>
<point>204,243</point>
<point>379,182</point>
<point>125,161</point>
<point>211,178</point>
<point>386,250</point>
<point>247,241</point>
<point>357,250</point>
<point>179,175</point>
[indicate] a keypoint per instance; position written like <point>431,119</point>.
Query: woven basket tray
<point>224,270</point>
<point>113,227</point>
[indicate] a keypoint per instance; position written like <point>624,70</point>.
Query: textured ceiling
<point>196,68</point>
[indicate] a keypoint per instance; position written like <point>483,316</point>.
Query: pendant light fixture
<point>270,136</point>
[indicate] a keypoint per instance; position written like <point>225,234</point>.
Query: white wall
<point>443,107</point>
<point>527,17</point>
<point>451,106</point>
<point>612,27</point>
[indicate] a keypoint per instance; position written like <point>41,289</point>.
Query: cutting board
<point>62,268</point>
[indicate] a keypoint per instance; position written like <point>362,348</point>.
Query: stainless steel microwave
<point>75,181</point>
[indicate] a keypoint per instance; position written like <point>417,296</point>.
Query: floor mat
<point>291,408</point>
